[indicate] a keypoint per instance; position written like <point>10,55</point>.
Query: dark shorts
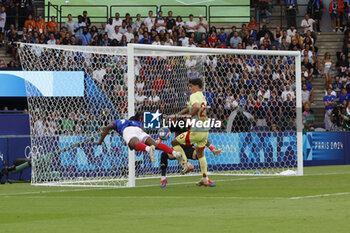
<point>334,16</point>
<point>189,151</point>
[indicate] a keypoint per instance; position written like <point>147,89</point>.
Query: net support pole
<point>299,116</point>
<point>131,111</point>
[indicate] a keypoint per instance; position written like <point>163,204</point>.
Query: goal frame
<point>213,51</point>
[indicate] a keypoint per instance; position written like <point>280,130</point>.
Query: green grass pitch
<point>316,202</point>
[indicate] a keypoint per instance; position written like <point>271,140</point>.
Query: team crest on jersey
<point>151,120</point>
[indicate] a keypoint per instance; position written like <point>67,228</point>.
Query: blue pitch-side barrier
<point>320,148</point>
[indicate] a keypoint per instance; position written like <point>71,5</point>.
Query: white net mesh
<point>254,96</point>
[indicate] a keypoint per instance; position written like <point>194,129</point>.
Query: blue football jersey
<point>121,124</point>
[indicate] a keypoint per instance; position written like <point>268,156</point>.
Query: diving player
<point>135,137</point>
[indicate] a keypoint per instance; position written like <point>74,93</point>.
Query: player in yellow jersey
<point>198,134</point>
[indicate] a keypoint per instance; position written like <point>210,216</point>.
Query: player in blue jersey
<point>135,137</point>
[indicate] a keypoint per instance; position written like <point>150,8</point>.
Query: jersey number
<point>202,113</point>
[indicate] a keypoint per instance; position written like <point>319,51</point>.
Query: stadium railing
<point>64,13</point>
<point>133,10</point>
<point>51,7</point>
<point>185,10</point>
<point>216,18</point>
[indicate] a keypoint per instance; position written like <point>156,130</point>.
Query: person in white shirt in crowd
<point>286,37</point>
<point>2,22</point>
<point>179,22</point>
<point>291,31</point>
<point>79,26</point>
<point>307,23</point>
<point>129,34</point>
<point>191,62</point>
<point>202,26</point>
<point>305,94</point>
<point>116,35</point>
<point>52,40</point>
<point>160,22</point>
<point>109,29</point>
<point>117,21</point>
<point>191,43</point>
<point>99,73</point>
<point>191,26</point>
<point>156,41</point>
<point>149,21</point>
<point>140,97</point>
<point>123,29</point>
<point>183,38</point>
<point>287,92</point>
<point>70,24</point>
<point>168,40</point>
<point>138,22</point>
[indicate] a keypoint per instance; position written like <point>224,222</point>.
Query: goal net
<point>255,95</point>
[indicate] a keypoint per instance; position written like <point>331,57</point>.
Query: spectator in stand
<point>223,36</point>
<point>170,22</point>
<point>334,13</point>
<point>307,24</point>
<point>291,12</point>
<point>291,31</point>
<point>287,92</point>
<point>2,23</point>
<point>341,7</point>
<point>212,40</point>
<point>328,102</point>
<point>11,13</point>
<point>86,19</point>
<point>191,26</point>
<point>51,25</point>
<point>22,11</point>
<point>263,12</point>
<point>285,36</point>
<point>202,27</point>
<point>3,65</point>
<point>12,47</point>
<point>327,69</point>
<point>308,118</point>
<point>52,40</point>
<point>306,94</point>
<point>235,40</point>
<point>123,29</point>
<point>70,24</point>
<point>85,36</point>
<point>129,35</point>
<point>315,9</point>
<point>233,30</point>
<point>241,33</point>
<point>116,35</point>
<point>160,22</point>
<point>149,21</point>
<point>179,22</point>
<point>277,34</point>
<point>294,46</point>
<point>109,29</point>
<point>262,33</point>
<point>344,95</point>
<point>184,39</point>
<point>29,23</point>
<point>138,22</point>
<point>342,65</point>
<point>253,27</point>
<point>117,21</point>
<point>337,86</point>
<point>79,27</point>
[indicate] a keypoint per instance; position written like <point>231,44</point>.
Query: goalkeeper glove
<point>215,151</point>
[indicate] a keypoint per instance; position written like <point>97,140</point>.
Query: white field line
<point>193,3</point>
<point>320,195</point>
<point>151,185</point>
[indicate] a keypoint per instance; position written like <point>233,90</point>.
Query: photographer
<point>336,117</point>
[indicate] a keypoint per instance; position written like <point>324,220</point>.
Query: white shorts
<point>134,132</point>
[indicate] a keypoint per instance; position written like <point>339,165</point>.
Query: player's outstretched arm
<point>105,132</point>
<point>215,151</point>
<point>195,109</point>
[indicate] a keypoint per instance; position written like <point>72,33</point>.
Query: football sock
<point>204,166</point>
<point>142,147</point>
<point>164,163</point>
<point>165,148</point>
<point>178,148</point>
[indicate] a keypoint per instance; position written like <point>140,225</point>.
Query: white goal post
<point>255,93</point>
